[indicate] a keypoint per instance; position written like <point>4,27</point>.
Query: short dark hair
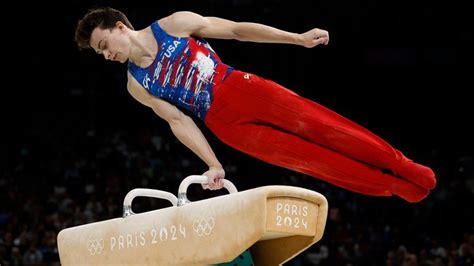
<point>104,18</point>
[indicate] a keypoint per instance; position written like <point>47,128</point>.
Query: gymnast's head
<point>107,31</point>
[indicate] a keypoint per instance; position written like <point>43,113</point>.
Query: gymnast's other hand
<point>314,37</point>
<point>215,178</point>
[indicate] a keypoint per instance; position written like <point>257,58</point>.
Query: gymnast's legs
<point>272,123</point>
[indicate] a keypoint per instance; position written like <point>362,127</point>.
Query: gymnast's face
<point>113,43</point>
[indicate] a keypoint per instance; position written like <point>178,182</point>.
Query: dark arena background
<point>74,142</point>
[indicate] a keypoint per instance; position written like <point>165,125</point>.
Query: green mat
<point>244,259</point>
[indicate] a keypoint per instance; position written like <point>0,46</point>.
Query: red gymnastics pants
<point>269,122</point>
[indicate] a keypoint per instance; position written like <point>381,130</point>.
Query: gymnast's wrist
<point>217,166</point>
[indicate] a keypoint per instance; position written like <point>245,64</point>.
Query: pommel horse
<point>275,223</point>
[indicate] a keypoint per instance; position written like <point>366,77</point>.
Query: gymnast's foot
<point>409,191</point>
<point>418,174</point>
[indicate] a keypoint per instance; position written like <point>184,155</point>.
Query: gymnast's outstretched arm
<point>185,24</point>
<point>184,129</point>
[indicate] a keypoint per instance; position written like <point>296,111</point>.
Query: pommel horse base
<point>275,222</point>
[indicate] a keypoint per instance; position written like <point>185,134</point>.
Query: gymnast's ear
<point>120,25</point>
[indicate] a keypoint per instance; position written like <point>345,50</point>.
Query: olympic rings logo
<point>95,246</point>
<point>203,226</point>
